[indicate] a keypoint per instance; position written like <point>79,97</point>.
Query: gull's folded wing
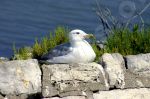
<point>59,50</point>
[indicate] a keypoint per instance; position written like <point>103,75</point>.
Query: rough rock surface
<point>15,97</point>
<point>21,96</point>
<point>20,77</point>
<point>69,97</point>
<point>72,79</point>
<point>133,80</point>
<point>139,64</point>
<point>142,93</point>
<point>138,71</point>
<point>1,97</point>
<point>115,68</point>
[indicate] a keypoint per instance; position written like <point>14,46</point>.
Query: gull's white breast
<point>84,52</point>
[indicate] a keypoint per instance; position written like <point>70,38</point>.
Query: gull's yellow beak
<point>89,36</point>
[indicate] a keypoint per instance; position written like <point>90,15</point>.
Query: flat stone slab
<point>138,71</point>
<point>69,97</point>
<point>139,64</point>
<point>133,80</point>
<point>72,79</point>
<point>15,97</point>
<point>114,66</point>
<point>20,77</point>
<point>142,93</point>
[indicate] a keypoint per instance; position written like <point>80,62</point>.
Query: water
<point>21,21</point>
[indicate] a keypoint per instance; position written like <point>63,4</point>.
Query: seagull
<point>77,50</point>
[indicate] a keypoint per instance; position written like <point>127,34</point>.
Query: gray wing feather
<point>59,50</point>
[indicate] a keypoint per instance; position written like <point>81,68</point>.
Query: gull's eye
<point>77,33</point>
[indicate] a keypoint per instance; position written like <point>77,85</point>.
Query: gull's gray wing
<point>59,50</point>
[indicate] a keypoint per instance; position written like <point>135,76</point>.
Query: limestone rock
<point>1,97</point>
<point>133,80</point>
<point>20,77</point>
<point>138,71</point>
<point>139,64</point>
<point>69,97</point>
<point>16,97</point>
<point>115,68</point>
<point>72,79</point>
<point>142,93</point>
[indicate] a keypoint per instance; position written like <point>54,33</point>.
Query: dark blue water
<point>21,21</point>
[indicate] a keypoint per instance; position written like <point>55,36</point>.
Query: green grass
<point>99,52</point>
<point>123,41</point>
<point>22,53</point>
<point>59,36</point>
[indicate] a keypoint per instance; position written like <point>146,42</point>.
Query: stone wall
<point>114,77</point>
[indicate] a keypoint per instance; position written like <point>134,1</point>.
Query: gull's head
<point>78,35</point>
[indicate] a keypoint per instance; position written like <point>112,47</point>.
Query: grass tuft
<point>22,53</point>
<point>40,47</point>
<point>128,42</point>
<point>99,52</point>
<point>59,36</point>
